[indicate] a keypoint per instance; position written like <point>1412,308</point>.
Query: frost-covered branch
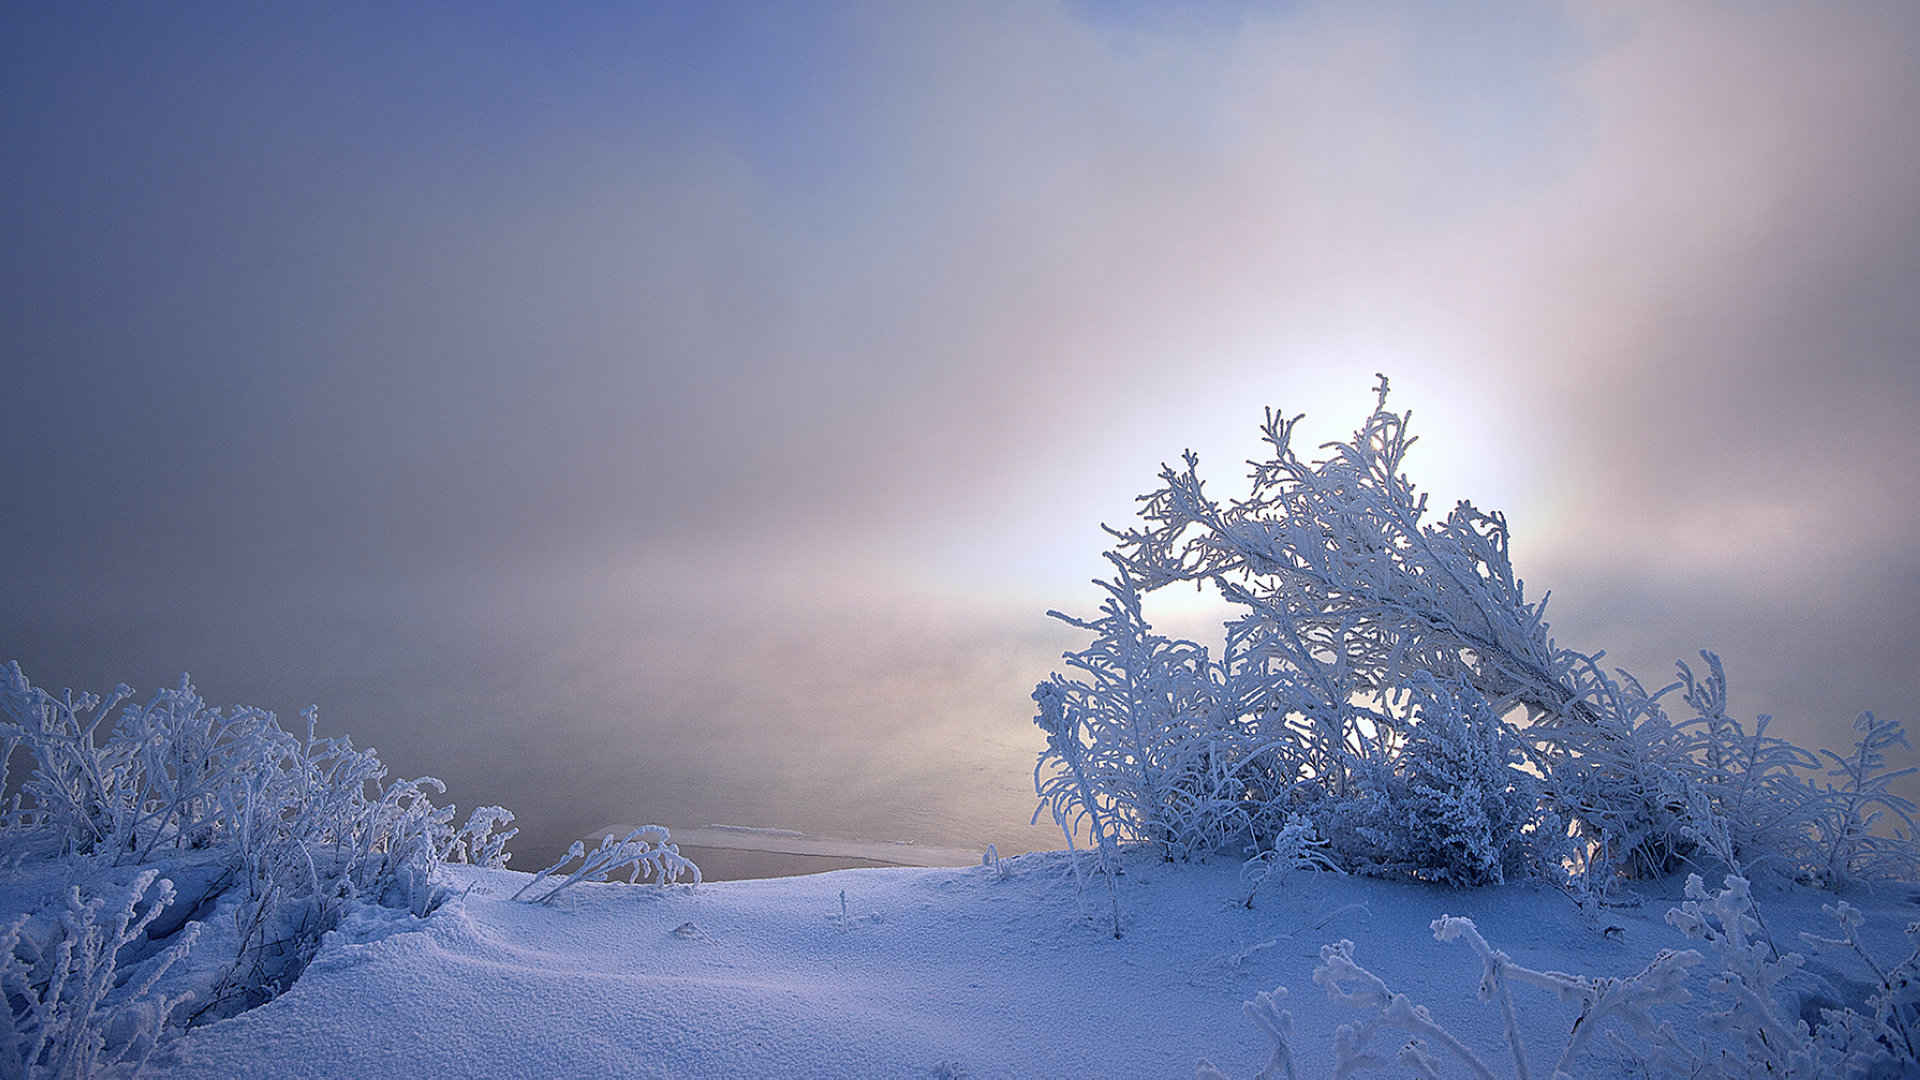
<point>1068,793</point>
<point>1265,1012</point>
<point>1629,1000</point>
<point>1347,982</point>
<point>1895,1023</point>
<point>1849,812</point>
<point>646,853</point>
<point>66,1007</point>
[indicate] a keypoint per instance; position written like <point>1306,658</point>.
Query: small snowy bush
<point>1625,780</point>
<point>1297,847</point>
<point>1845,816</point>
<point>1385,675</point>
<point>1895,1023</point>
<point>1452,805</point>
<point>1758,1037</point>
<point>1752,808</point>
<point>482,841</point>
<point>1145,713</point>
<point>1078,803</point>
<point>1627,1001</point>
<point>286,833</point>
<point>1749,1035</point>
<point>647,852</point>
<point>68,1009</point>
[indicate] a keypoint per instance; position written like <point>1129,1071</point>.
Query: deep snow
<point>977,972</point>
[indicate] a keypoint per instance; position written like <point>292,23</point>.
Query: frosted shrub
<point>301,827</point>
<point>1895,1023</point>
<point>1762,1039</point>
<point>1070,793</point>
<point>1748,1035</point>
<point>175,774</point>
<point>1625,1001</point>
<point>1343,590</point>
<point>77,795</point>
<point>1848,847</point>
<point>1384,672</point>
<point>1765,1042</point>
<point>1753,808</point>
<point>66,1007</point>
<point>1297,847</point>
<point>1452,805</point>
<point>482,841</point>
<point>1626,781</point>
<point>1346,981</point>
<point>647,852</point>
<point>1145,711</point>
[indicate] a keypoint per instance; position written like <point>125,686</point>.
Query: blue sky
<point>783,329</point>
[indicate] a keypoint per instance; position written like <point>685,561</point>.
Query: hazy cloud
<point>471,337</point>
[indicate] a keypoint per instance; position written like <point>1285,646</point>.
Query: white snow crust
<point>987,971</point>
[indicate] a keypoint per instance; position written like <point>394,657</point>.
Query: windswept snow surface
<point>977,972</point>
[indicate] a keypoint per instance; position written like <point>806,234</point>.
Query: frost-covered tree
<point>1383,675</point>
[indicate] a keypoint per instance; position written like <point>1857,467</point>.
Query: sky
<point>689,411</point>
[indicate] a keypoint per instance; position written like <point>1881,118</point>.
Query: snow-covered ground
<point>978,972</point>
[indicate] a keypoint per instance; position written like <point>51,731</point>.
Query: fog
<point>689,415</point>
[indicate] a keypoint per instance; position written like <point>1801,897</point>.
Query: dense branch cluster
<point>268,839</point>
<point>1385,677</point>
